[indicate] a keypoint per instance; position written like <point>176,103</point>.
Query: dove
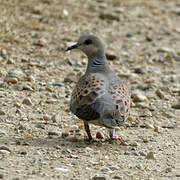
<point>100,97</point>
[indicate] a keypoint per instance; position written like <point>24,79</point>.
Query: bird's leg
<point>112,134</point>
<point>86,126</point>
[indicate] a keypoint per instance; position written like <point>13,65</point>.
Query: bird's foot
<point>119,138</point>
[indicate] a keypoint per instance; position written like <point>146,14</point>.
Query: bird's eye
<point>88,41</point>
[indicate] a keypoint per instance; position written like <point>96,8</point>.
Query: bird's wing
<point>88,89</point>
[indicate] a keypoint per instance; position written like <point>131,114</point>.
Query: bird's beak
<point>75,46</point>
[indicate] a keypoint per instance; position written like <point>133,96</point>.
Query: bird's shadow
<point>54,142</point>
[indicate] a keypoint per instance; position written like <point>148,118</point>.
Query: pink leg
<point>113,136</point>
<point>86,126</point>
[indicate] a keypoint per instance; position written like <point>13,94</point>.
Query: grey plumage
<point>99,97</point>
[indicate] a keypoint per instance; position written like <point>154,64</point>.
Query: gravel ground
<point>39,137</point>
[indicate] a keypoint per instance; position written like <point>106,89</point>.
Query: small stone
<point>131,119</point>
<point>158,129</point>
<point>88,149</point>
<point>140,70</point>
<point>1,176</point>
<point>2,133</point>
<point>131,153</point>
<point>52,133</point>
<point>160,94</point>
<point>150,155</point>
<point>30,78</point>
<point>72,139</point>
<point>41,42</point>
<point>46,117</point>
<point>110,55</point>
<point>118,10</point>
<point>3,53</point>
<point>71,77</point>
<point>41,126</point>
<point>56,83</point>
<point>10,61</point>
<point>17,105</point>
<point>138,97</point>
<point>27,101</point>
<point>176,106</point>
<point>4,149</point>
<point>54,118</point>
<point>65,12</point>
<point>142,153</point>
<point>99,135</point>
<point>105,169</point>
<point>98,178</point>
<point>64,134</point>
<point>27,87</point>
<point>109,16</point>
<point>142,105</point>
<point>12,80</point>
<point>64,170</point>
<point>74,163</point>
<point>166,49</point>
<point>23,153</point>
<point>149,126</point>
<point>129,35</point>
<point>2,113</point>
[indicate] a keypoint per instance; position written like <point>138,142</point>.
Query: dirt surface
<point>39,137</point>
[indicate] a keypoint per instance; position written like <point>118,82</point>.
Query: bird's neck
<point>97,63</point>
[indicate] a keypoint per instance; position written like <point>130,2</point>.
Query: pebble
<point>118,177</point>
<point>2,132</point>
<point>2,113</point>
<point>99,135</point>
<point>64,170</point>
<point>109,16</point>
<point>1,176</point>
<point>149,126</point>
<point>98,178</point>
<point>57,83</point>
<point>110,55</point>
<point>4,149</point>
<point>72,139</point>
<point>27,87</point>
<point>3,53</point>
<point>16,73</point>
<point>138,97</point>
<point>131,153</point>
<point>71,77</point>
<point>41,42</point>
<point>10,61</point>
<point>165,49</point>
<point>88,149</point>
<point>105,169</point>
<point>54,118</point>
<point>140,70</point>
<point>160,94</point>
<point>150,155</point>
<point>12,80</point>
<point>142,105</point>
<point>65,12</point>
<point>27,101</point>
<point>64,134</point>
<point>176,106</point>
<point>53,133</point>
<point>46,117</point>
<point>158,129</point>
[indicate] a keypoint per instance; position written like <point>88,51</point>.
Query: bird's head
<point>90,45</point>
